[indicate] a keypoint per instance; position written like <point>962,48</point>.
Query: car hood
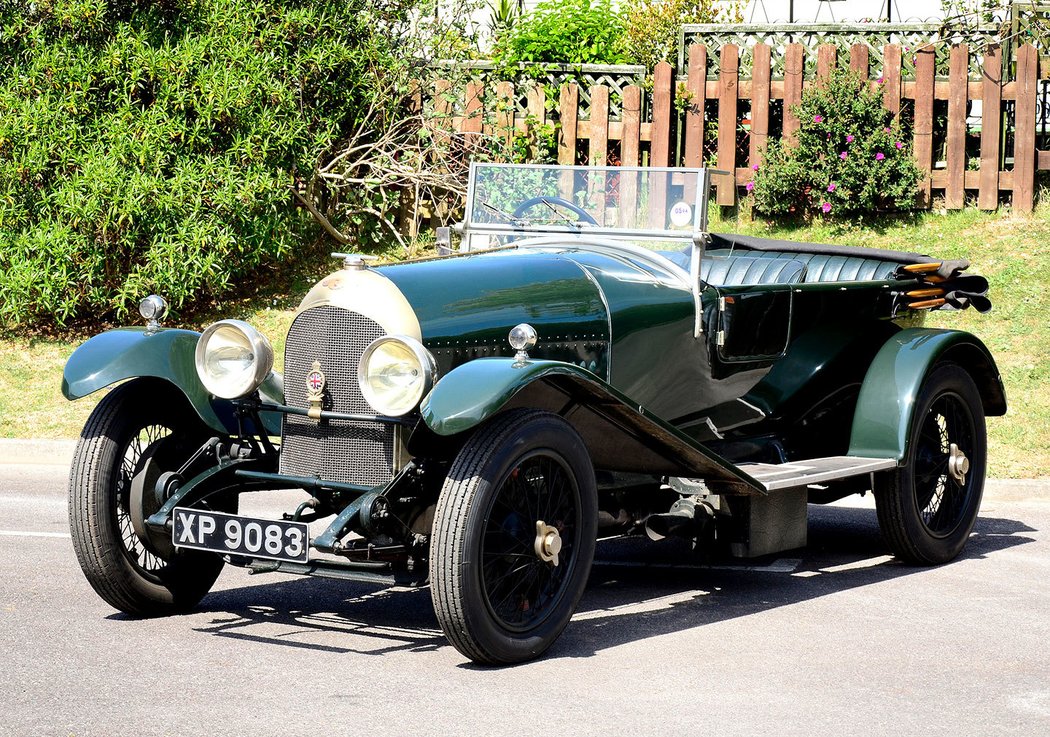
<point>463,307</point>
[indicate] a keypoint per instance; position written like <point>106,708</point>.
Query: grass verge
<point>1011,250</point>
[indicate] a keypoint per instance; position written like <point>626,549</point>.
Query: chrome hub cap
<point>548,542</point>
<point>958,464</point>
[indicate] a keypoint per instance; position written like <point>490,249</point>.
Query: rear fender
<point>619,433</point>
<point>887,397</point>
<point>128,353</point>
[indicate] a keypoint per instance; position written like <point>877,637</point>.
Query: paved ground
<point>837,639</point>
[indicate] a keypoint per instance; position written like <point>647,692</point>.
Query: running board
<point>773,477</point>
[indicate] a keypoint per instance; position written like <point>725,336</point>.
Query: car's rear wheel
<point>514,535</point>
<point>927,507</point>
<point>134,423</point>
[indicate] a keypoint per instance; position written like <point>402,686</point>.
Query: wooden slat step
<point>775,476</point>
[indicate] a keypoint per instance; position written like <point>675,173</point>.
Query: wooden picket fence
<point>665,136</point>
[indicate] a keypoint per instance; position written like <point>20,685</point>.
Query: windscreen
<point>615,201</point>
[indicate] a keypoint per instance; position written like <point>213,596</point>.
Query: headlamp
<point>395,373</point>
<point>232,358</point>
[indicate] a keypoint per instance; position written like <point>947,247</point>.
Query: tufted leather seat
<point>825,268</point>
<point>745,270</point>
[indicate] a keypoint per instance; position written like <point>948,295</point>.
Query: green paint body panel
<point>475,391</point>
<point>650,315</point>
<point>599,310</point>
<point>887,397</point>
<point>467,305</point>
<point>128,353</point>
<point>478,390</point>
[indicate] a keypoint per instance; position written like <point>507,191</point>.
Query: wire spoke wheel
<point>522,588</point>
<point>940,496</point>
<point>140,446</point>
<point>928,507</point>
<point>137,422</point>
<point>513,539</point>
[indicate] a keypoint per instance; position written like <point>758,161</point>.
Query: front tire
<point>514,536</point>
<point>135,422</point>
<point>926,508</point>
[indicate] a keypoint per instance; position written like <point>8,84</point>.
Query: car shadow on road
<point>326,615</point>
<point>845,551</point>
<point>637,590</point>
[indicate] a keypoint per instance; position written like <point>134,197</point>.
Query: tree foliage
<point>565,32</point>
<point>651,27</point>
<point>149,146</point>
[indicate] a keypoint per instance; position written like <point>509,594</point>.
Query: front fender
<point>128,353</point>
<point>475,391</point>
<point>620,434</point>
<point>887,397</point>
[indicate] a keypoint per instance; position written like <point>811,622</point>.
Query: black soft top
<point>730,240</point>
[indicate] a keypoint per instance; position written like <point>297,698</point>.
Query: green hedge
<point>148,146</point>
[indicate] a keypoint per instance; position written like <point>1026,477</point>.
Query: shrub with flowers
<point>849,156</point>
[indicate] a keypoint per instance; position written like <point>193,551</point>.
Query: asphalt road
<point>836,639</point>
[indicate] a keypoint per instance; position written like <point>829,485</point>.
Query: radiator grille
<point>354,452</point>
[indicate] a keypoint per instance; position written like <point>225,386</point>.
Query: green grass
<point>1012,251</point>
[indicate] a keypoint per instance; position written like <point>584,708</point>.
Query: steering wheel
<point>550,201</point>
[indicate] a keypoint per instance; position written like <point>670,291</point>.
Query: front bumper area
<point>366,539</point>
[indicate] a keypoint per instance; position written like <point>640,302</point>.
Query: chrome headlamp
<point>395,373</point>
<point>154,308</point>
<point>232,358</point>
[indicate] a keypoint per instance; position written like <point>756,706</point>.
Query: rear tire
<point>133,423</point>
<point>522,487</point>
<point>925,512</point>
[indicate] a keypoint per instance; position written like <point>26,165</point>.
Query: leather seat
<point>825,268</point>
<point>745,270</point>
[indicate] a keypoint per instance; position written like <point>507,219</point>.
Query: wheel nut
<point>548,542</point>
<point>958,464</point>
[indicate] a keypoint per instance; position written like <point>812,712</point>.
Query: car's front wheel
<point>514,536</point>
<point>929,505</point>
<point>134,423</point>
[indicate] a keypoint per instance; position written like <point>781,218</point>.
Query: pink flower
<point>754,167</point>
<point>879,80</point>
<point>832,187</point>
<point>885,130</point>
<point>826,207</point>
<point>843,155</point>
<point>749,186</point>
<point>880,156</point>
<point>899,145</point>
<point>849,139</point>
<point>818,118</point>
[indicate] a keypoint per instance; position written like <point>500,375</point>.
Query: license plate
<point>247,536</point>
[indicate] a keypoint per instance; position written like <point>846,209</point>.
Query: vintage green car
<point>587,362</point>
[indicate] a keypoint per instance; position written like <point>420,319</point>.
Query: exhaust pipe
<point>687,518</point>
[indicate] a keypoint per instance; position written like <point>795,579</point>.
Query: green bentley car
<point>584,360</point>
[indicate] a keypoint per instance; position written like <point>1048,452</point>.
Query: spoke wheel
<point>928,507</point>
<point>135,423</point>
<point>513,539</point>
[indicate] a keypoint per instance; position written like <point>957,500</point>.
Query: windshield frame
<point>694,235</point>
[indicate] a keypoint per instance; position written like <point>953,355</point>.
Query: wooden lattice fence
<point>876,36</point>
<point>722,111</point>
